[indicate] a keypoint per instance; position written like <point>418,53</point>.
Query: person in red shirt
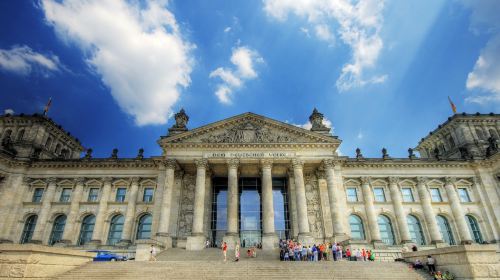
<point>363,254</point>
<point>224,251</point>
<point>348,254</point>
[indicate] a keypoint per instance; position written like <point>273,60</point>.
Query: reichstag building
<point>250,179</point>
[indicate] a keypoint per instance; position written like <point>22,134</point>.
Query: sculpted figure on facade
<point>249,132</point>
<point>186,206</point>
<point>314,212</point>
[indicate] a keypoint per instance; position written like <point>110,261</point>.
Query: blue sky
<point>380,71</point>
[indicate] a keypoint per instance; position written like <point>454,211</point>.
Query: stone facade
<point>59,198</point>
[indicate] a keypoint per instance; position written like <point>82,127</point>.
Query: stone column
<point>430,216</point>
<point>231,236</point>
<point>127,233</point>
<point>97,235</point>
<point>269,237</point>
<point>304,236</point>
<point>458,212</point>
<point>197,239</point>
<point>13,211</point>
<point>333,195</point>
<point>166,204</point>
<point>397,203</point>
<point>370,211</point>
<point>43,217</point>
<point>294,227</point>
<point>76,196</point>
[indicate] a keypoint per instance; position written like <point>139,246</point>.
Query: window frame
<point>376,197</point>
<point>90,196</point>
<point>56,234</point>
<point>151,197</point>
<point>466,191</point>
<point>438,192</point>
<point>35,196</point>
<point>359,221</point>
<point>84,231</point>
<point>140,232</point>
<point>348,196</point>
<point>121,197</point>
<point>65,197</point>
<point>409,188</point>
<point>28,229</point>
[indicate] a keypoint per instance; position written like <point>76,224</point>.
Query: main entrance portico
<point>249,177</point>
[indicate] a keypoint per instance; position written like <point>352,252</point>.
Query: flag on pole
<point>453,107</point>
<point>47,107</point>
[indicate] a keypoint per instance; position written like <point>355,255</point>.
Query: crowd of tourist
<point>295,251</point>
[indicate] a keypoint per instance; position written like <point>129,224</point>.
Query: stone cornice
<point>406,163</point>
<point>95,163</point>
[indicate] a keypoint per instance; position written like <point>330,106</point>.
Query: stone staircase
<point>208,264</point>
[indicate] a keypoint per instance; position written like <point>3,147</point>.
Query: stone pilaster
<point>127,233</point>
<point>14,211</point>
<point>98,237</point>
<point>43,217</point>
<point>76,196</point>
<point>231,237</point>
<point>492,223</point>
<point>333,196</point>
<point>370,211</point>
<point>300,194</point>
<point>197,239</point>
<point>163,234</point>
<point>430,216</point>
<point>457,210</point>
<point>269,237</point>
<point>397,203</point>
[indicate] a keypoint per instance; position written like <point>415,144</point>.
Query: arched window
<point>86,230</point>
<point>29,228</point>
<point>20,135</point>
<point>57,229</point>
<point>144,227</point>
<point>416,233</point>
<point>386,232</point>
<point>357,229</point>
<point>445,229</point>
<point>115,230</point>
<point>474,229</point>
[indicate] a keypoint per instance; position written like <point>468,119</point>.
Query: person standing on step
<point>224,250</point>
<point>237,252</point>
<point>431,264</point>
<point>152,253</point>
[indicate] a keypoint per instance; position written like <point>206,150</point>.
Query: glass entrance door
<point>250,212</point>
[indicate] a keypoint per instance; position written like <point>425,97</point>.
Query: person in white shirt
<point>153,253</point>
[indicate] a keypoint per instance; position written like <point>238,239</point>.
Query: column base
<point>165,239</point>
<point>195,242</point>
<point>466,242</point>
<point>269,241</point>
<point>305,238</point>
<point>340,237</point>
<point>378,244</point>
<point>231,239</point>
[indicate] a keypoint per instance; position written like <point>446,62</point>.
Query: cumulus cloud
<point>359,24</point>
<point>308,124</point>
<point>227,29</point>
<point>137,48</point>
<point>485,76</point>
<point>22,60</point>
<point>244,60</point>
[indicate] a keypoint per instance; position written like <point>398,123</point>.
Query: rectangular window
<point>65,195</point>
<point>37,195</point>
<point>93,194</point>
<point>436,195</point>
<point>464,195</point>
<point>120,194</point>
<point>352,195</point>
<point>407,195</point>
<point>379,194</point>
<point>148,195</point>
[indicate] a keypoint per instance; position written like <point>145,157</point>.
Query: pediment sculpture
<point>249,132</point>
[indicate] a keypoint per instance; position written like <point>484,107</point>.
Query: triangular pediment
<point>249,128</point>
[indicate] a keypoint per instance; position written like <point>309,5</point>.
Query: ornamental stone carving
<point>365,180</point>
<point>316,119</point>
<point>233,163</point>
<point>449,180</point>
<point>393,180</point>
<point>201,162</point>
<point>249,132</point>
<point>79,180</point>
<point>297,163</point>
<point>314,211</point>
<point>181,120</point>
<point>185,223</point>
<point>169,163</point>
<point>422,180</point>
<point>328,163</point>
<point>51,180</point>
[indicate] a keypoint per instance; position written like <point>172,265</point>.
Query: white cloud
<point>227,29</point>
<point>244,59</point>
<point>137,49</point>
<point>308,124</point>
<point>360,135</point>
<point>485,76</point>
<point>359,23</point>
<point>22,59</point>
<point>305,31</point>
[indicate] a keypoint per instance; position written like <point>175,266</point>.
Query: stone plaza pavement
<point>208,264</point>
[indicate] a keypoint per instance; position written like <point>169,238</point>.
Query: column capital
<point>297,163</point>
<point>450,180</point>
<point>266,163</point>
<point>201,162</point>
<point>320,174</point>
<point>422,180</point>
<point>79,180</point>
<point>393,180</point>
<point>26,180</point>
<point>233,163</point>
<point>178,174</point>
<point>51,180</point>
<point>365,180</point>
<point>135,180</point>
<point>169,163</point>
<point>107,180</point>
<point>476,180</point>
<point>329,163</point>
